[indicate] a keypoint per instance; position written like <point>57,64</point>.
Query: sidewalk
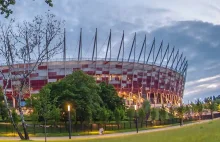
<point>107,135</point>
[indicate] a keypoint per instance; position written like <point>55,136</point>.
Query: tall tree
<point>110,97</point>
<point>162,113</point>
<point>188,110</point>
<point>180,112</point>
<point>80,90</point>
<point>29,43</point>
<point>3,110</point>
<point>130,114</point>
<point>212,106</point>
<point>119,115</point>
<point>45,106</point>
<point>6,10</point>
<point>147,108</point>
<point>141,115</point>
<point>199,107</point>
<point>153,114</point>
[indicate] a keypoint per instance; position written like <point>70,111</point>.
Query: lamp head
<point>68,107</point>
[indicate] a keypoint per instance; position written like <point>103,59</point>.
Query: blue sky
<point>191,26</point>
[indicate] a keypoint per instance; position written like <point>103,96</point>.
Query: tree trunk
<point>10,115</point>
<point>22,118</point>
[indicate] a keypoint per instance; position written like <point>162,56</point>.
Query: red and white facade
<point>133,81</point>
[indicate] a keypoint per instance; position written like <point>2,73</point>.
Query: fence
<point>62,127</point>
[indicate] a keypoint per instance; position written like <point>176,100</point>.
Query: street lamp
<point>69,122</point>
<point>136,118</point>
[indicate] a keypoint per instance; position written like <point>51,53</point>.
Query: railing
<point>62,127</point>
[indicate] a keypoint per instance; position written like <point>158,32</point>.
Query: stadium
<point>158,75</point>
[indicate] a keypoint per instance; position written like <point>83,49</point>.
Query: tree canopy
<point>90,101</point>
<point>6,4</point>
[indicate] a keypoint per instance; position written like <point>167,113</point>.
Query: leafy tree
<point>141,115</point>
<point>84,91</point>
<point>44,106</point>
<point>162,113</point>
<point>212,106</point>
<point>5,6</point>
<point>15,116</point>
<point>80,90</point>
<point>188,110</point>
<point>34,118</point>
<point>171,112</point>
<point>147,108</point>
<point>104,115</point>
<point>110,97</point>
<point>217,101</point>
<point>130,114</point>
<point>3,110</point>
<point>55,112</point>
<point>153,115</point>
<point>199,107</point>
<point>180,112</point>
<point>119,115</point>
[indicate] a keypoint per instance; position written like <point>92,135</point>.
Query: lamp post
<point>69,121</point>
<point>136,118</point>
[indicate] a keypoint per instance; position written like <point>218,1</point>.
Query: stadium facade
<point>161,80</point>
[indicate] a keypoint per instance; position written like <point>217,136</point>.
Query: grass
<point>205,132</point>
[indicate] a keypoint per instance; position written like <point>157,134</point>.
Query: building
<point>134,79</point>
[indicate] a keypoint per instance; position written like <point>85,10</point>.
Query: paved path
<point>107,135</point>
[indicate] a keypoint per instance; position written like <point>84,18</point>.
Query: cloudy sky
<point>192,26</point>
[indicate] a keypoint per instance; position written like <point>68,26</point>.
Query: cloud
<point>193,29</point>
<point>207,79</point>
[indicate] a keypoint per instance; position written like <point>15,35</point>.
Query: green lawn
<point>206,132</point>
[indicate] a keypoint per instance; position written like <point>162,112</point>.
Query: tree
<point>3,110</point>
<point>212,106</point>
<point>162,113</point>
<point>15,116</point>
<point>110,97</point>
<point>130,114</point>
<point>80,90</point>
<point>180,112</point>
<point>199,107</point>
<point>30,43</point>
<point>147,108</point>
<point>194,108</point>
<point>104,115</point>
<point>188,110</point>
<point>171,112</point>
<point>45,107</point>
<point>119,115</point>
<point>141,115</point>
<point>5,6</point>
<point>34,118</point>
<point>153,115</point>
